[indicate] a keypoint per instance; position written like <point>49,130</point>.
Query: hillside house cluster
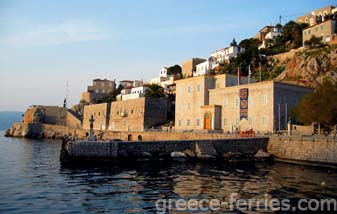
<point>322,23</point>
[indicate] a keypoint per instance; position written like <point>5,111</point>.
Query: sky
<point>45,44</point>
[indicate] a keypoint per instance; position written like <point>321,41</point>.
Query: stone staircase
<point>205,149</point>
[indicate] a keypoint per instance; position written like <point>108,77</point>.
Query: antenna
<point>280,19</point>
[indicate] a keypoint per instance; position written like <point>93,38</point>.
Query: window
<point>264,99</point>
<point>179,122</point>
<point>188,122</point>
<point>110,84</point>
<point>316,28</point>
<point>213,101</point>
<point>225,104</point>
<point>305,33</point>
<point>264,121</point>
<point>189,89</point>
<point>225,121</point>
<point>102,83</point>
<point>188,106</point>
<point>198,88</point>
<point>309,32</point>
<point>237,102</point>
<point>250,121</point>
<point>198,122</point>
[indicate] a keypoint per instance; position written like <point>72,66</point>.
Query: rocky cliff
<point>308,66</point>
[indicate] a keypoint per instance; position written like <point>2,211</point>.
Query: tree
<point>314,42</point>
<point>154,91</point>
<point>233,43</point>
<point>319,106</point>
<point>174,70</point>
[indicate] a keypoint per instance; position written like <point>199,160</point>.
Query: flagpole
<point>238,75</point>
<point>260,71</point>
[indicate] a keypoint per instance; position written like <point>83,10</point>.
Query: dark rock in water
<point>8,133</point>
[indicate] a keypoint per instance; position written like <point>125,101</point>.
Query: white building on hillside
<point>205,67</point>
<point>163,79</point>
<point>217,57</point>
<point>225,54</point>
<point>133,93</point>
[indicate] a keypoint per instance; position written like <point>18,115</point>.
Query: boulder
<point>178,155</point>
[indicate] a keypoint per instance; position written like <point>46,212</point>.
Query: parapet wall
<point>109,150</point>
<point>304,149</point>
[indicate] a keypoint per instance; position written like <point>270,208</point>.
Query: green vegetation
<point>154,91</point>
<point>257,59</point>
<point>319,106</point>
<point>314,42</point>
<point>175,70</point>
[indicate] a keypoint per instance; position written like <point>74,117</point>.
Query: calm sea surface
<point>33,181</point>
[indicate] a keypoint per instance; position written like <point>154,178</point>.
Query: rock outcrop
<point>308,67</point>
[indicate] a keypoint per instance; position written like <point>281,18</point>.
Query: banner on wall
<point>243,93</point>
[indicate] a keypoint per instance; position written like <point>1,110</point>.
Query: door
<point>208,121</point>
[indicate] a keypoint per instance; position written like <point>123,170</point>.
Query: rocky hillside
<point>307,66</point>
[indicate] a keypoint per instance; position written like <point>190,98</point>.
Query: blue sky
<point>44,44</point>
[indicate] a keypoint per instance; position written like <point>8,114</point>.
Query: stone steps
<point>205,149</point>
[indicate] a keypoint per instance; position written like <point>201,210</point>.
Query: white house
<point>225,54</point>
<point>163,79</point>
<point>131,83</point>
<point>272,34</point>
<point>163,72</point>
<point>205,67</point>
<point>134,93</point>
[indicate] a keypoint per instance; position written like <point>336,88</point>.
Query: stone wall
<point>304,149</point>
<point>101,114</point>
<point>72,121</point>
<point>46,114</point>
<point>138,114</point>
<point>83,150</point>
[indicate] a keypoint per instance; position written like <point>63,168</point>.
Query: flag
<point>249,74</point>
<point>238,76</point>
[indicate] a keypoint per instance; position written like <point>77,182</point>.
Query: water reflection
<point>33,181</point>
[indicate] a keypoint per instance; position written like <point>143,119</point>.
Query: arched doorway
<point>129,137</point>
<point>208,121</point>
<point>140,138</point>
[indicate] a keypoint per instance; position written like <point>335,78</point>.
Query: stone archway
<point>208,121</point>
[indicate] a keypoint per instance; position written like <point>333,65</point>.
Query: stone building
<point>192,93</point>
<point>101,114</point>
<point>326,30</point>
<point>316,16</point>
<point>138,114</point>
<point>189,66</point>
<point>53,115</point>
<point>99,89</point>
<point>219,103</point>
